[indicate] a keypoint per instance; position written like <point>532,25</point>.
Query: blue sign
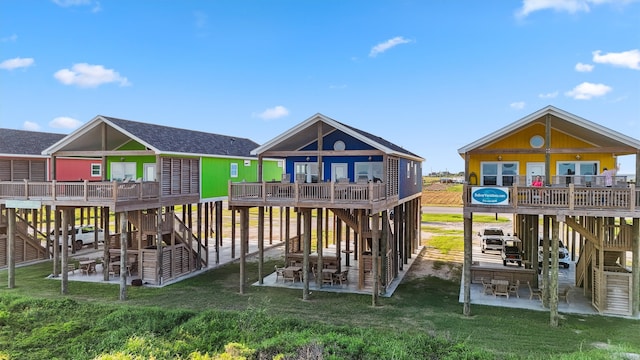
<point>490,195</point>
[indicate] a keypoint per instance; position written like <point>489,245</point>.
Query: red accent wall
<point>76,169</point>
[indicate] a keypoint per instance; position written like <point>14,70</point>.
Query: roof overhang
<point>598,136</point>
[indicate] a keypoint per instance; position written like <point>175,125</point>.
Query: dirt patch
<point>439,194</point>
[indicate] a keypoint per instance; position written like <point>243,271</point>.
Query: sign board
<point>23,204</point>
<point>490,196</point>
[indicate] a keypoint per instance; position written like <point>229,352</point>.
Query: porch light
<point>499,157</point>
<point>578,157</point>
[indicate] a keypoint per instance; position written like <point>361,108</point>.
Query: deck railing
<point>84,190</point>
<point>570,197</point>
<point>330,192</point>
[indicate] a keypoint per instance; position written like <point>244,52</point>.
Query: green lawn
<point>423,319</point>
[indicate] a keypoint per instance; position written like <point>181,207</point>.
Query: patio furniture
<point>87,267</point>
<point>564,294</point>
<point>327,276</point>
<point>534,292</point>
<point>71,268</point>
<point>341,277</point>
<point>291,273</point>
<point>513,288</point>
<point>500,288</point>
<point>487,288</point>
<point>279,272</point>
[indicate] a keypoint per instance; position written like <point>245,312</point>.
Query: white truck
<point>492,238</point>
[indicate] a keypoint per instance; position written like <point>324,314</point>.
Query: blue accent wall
<point>410,183</point>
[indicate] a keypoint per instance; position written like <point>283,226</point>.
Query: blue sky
<point>431,76</point>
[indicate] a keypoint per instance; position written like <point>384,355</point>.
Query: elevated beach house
<point>370,187</point>
<point>599,210</point>
<point>153,178</point>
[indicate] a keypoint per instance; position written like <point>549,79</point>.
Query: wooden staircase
<point>171,227</point>
<point>28,247</point>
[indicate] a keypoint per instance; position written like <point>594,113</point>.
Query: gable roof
<point>157,138</point>
<point>565,122</point>
<point>23,142</point>
<point>300,136</point>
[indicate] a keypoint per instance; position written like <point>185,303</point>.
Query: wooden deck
<point>567,200</point>
<point>329,194</point>
<point>82,193</point>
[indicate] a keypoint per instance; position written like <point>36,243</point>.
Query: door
<point>149,172</point>
<point>339,171</point>
<point>534,169</point>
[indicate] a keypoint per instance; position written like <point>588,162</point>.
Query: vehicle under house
<point>370,187</point>
<point>153,179</point>
<point>600,211</point>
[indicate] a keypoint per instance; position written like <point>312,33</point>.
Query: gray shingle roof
<point>381,141</point>
<point>23,142</point>
<point>176,140</point>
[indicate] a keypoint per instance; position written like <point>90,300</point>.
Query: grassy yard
<point>423,319</point>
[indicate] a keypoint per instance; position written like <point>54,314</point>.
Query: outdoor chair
<point>565,294</point>
<point>327,277</point>
<point>534,292</point>
<point>342,277</point>
<point>513,288</point>
<point>487,288</point>
<point>279,272</point>
<point>289,275</point>
<point>71,268</point>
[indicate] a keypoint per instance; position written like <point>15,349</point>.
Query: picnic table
<point>500,287</point>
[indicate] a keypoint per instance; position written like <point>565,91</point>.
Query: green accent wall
<point>216,174</point>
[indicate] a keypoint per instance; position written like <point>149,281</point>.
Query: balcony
<point>569,199</point>
<point>80,193</point>
<point>328,194</point>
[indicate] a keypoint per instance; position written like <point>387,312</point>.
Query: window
<point>372,170</point>
<point>499,173</point>
<point>306,172</point>
<point>234,170</point>
<point>96,170</point>
<point>121,171</point>
<point>582,169</point>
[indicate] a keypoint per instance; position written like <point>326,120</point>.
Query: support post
<point>11,247</point>
<point>553,288</point>
<point>468,259</point>
<point>375,254</point>
<point>64,283</point>
<point>306,248</point>
<point>124,240</point>
<point>260,244</point>
<point>635,268</point>
<point>244,235</point>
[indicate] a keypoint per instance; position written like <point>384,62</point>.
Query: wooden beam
<point>553,300</point>
<point>11,247</point>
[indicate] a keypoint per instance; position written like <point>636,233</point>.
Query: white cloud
<point>10,38</point>
<point>550,95</point>
<point>519,105</point>
<point>273,113</point>
<point>570,6</point>
<point>586,91</point>
<point>16,63</point>
<point>31,126</point>
<point>628,59</point>
<point>85,75</point>
<point>201,19</point>
<point>64,122</point>
<point>67,3</point>
<point>580,67</point>
<point>382,47</point>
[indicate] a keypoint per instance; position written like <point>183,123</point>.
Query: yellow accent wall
<point>520,140</point>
